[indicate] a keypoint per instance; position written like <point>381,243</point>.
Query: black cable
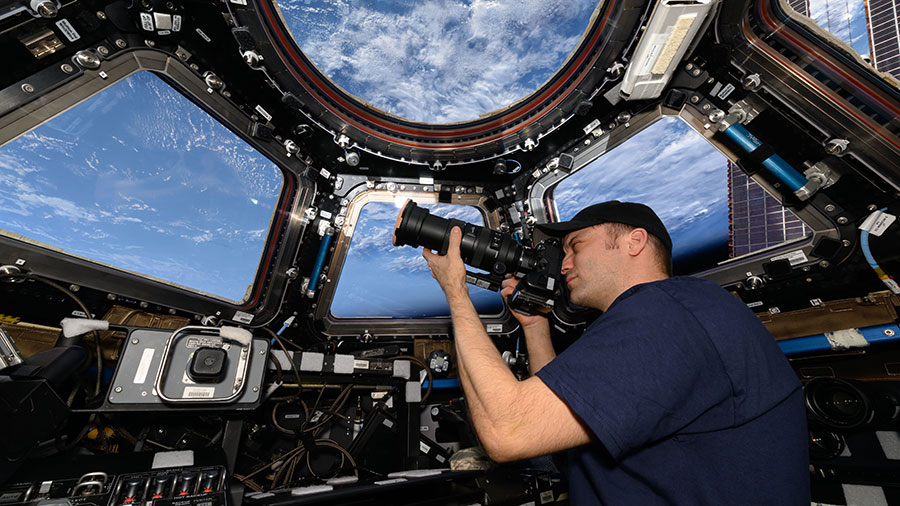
<point>287,355</point>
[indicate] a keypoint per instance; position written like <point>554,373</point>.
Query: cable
<point>287,355</point>
<point>885,278</point>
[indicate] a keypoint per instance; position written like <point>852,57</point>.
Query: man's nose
<point>566,265</point>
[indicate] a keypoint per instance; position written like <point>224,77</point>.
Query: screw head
<point>87,59</point>
<point>101,15</point>
<point>120,43</point>
<point>110,296</point>
<point>889,332</point>
<point>27,88</point>
<point>118,390</point>
<point>68,69</point>
<point>824,264</point>
<point>842,220</point>
<point>829,208</point>
<point>150,43</point>
<point>696,72</point>
<point>103,50</point>
<point>695,99</point>
<point>256,389</point>
<point>845,243</point>
<point>871,207</point>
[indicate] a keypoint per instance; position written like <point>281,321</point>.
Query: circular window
<point>438,61</point>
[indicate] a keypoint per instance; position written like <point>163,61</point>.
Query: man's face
<point>591,265</point>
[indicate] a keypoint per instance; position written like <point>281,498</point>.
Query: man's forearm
<point>540,347</point>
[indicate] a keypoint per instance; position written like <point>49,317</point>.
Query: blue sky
<point>140,178</point>
<point>845,19</point>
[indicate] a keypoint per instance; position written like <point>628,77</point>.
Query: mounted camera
<point>539,290</point>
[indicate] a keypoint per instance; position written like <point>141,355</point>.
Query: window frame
<point>386,325</point>
<point>728,272</point>
<point>46,260</point>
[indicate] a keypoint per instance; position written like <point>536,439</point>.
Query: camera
<point>540,289</point>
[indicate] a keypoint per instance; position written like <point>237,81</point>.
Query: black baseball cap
<point>629,213</point>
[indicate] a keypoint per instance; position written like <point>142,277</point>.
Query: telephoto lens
<point>481,247</point>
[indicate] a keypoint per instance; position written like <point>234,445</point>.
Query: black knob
<point>160,486</point>
<point>209,481</point>
<point>187,483</point>
<point>131,490</point>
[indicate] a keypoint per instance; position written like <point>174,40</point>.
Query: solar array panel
<point>884,35</point>
<point>757,220</point>
<point>801,6</point>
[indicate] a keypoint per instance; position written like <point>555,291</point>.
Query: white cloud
<point>439,61</point>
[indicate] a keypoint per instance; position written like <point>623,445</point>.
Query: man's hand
<point>508,286</point>
<point>449,270</point>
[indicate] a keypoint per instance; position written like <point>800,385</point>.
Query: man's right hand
<point>509,284</point>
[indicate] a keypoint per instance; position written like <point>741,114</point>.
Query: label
<point>242,317</point>
<point>387,423</point>
<point>716,89</point>
<point>360,364</point>
<point>199,392</point>
<point>591,126</point>
<point>794,257</point>
<point>725,91</point>
<point>176,23</point>
<point>774,310</point>
<point>325,214</point>
<point>652,54</point>
<point>164,32</point>
<point>388,482</point>
<point>79,314</point>
<point>424,447</point>
<point>147,21</point>
<point>877,223</point>
<point>426,180</point>
<point>440,458</point>
<point>45,487</point>
<point>755,304</point>
<point>423,428</point>
<point>494,328</point>
<point>325,173</point>
<point>203,35</point>
<point>68,30</point>
<point>140,376</point>
<point>10,497</point>
<point>815,302</point>
<point>264,113</point>
<point>546,496</point>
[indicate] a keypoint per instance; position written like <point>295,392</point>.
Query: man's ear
<point>637,241</point>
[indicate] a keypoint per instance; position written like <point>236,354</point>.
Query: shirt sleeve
<point>637,376</point>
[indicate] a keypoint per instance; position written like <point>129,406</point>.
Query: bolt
<point>689,66</point>
<point>836,146</point>
<point>103,50</point>
<point>193,66</point>
<point>170,6</point>
<point>824,264</point>
<point>87,59</point>
<point>47,9</point>
<point>256,389</point>
<point>623,117</point>
<point>150,43</point>
<point>120,43</point>
<point>871,207</point>
<point>143,393</point>
<point>695,99</point>
<point>27,88</point>
<point>101,15</point>
<point>845,243</point>
<point>829,208</point>
<point>144,305</point>
<point>842,220</point>
<point>215,83</point>
<point>74,288</point>
<point>252,59</point>
<point>118,390</point>
<point>110,296</point>
<point>68,69</point>
<point>705,107</point>
<point>135,341</point>
<point>262,352</point>
<point>171,310</point>
<point>696,72</point>
<point>717,115</point>
<point>889,332</point>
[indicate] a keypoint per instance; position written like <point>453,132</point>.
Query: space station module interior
<point>138,379</point>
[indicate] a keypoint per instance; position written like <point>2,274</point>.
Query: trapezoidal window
<point>435,61</point>
<point>379,279</point>
<point>711,209</point>
<point>139,178</point>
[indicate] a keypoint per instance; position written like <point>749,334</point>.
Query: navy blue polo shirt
<point>690,399</point>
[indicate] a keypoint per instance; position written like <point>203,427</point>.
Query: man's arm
<point>513,419</point>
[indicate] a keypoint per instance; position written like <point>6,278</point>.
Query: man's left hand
<point>449,270</point>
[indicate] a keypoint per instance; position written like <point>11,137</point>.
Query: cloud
<point>845,20</point>
<point>439,61</point>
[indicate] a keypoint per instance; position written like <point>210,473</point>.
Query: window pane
<point>140,178</point>
<point>674,170</point>
<point>380,279</point>
<point>438,61</point>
